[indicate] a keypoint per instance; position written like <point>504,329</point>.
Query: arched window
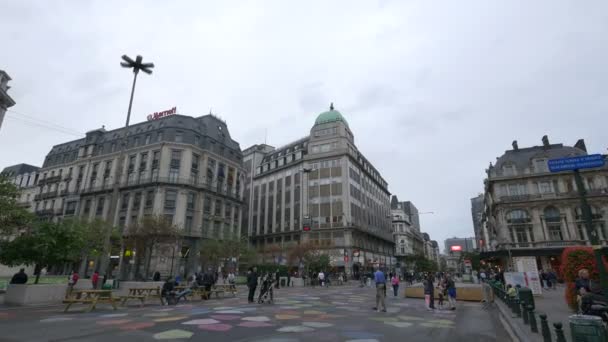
<point>552,214</point>
<point>519,227</point>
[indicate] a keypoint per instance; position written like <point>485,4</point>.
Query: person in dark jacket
<point>429,292</point>
<point>19,277</point>
<point>208,281</point>
<point>156,276</point>
<point>252,283</point>
<point>167,291</point>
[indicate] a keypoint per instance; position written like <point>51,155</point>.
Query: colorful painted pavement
<point>298,314</point>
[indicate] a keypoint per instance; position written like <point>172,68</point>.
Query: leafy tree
<point>211,253</point>
<point>473,256</point>
<point>421,264</point>
<point>215,252</point>
<point>144,236</point>
<point>12,216</point>
<point>45,244</point>
<point>297,252</point>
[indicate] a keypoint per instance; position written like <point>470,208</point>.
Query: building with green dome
<point>319,190</point>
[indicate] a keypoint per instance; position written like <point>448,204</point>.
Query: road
<point>340,313</point>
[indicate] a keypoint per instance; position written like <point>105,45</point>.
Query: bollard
<point>532,319</point>
<point>559,332</point>
<point>517,307</point>
<point>544,328</point>
<point>524,312</point>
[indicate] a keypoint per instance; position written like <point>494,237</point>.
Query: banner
<point>528,266</point>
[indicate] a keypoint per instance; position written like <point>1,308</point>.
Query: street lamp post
<point>136,65</point>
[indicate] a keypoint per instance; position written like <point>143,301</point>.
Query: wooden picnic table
<point>143,293</point>
<point>225,288</point>
<point>91,297</point>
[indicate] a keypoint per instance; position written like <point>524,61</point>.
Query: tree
<point>421,264</point>
<point>215,252</point>
<point>45,244</point>
<point>473,256</point>
<point>298,252</point>
<point>145,235</point>
<point>12,216</point>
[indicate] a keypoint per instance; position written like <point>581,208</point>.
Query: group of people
<point>197,280</point>
<point>446,287</point>
<point>548,279</point>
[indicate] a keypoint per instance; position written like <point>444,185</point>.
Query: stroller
<point>266,294</point>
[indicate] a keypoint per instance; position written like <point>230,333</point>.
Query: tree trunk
<point>37,269</point>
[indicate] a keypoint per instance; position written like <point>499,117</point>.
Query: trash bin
<point>525,295</point>
<point>585,328</point>
<point>106,287</point>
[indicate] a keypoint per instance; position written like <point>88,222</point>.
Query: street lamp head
<point>146,70</point>
<point>128,59</point>
<point>126,65</point>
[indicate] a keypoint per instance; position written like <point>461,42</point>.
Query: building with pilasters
<point>529,211</point>
<point>324,183</point>
<point>187,169</point>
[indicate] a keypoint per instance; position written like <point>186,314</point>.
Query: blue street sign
<point>575,163</point>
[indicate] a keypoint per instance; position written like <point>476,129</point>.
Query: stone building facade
<point>187,169</point>
<point>325,183</point>
<point>529,211</point>
<point>5,100</point>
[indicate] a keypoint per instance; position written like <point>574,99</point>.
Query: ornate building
<point>321,189</point>
<point>187,169</point>
<point>529,211</point>
<point>5,100</point>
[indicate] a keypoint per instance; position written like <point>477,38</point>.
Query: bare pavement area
<point>340,313</point>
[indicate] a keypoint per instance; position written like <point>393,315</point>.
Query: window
<point>100,205</point>
<point>137,201</point>
<point>218,208</point>
<point>147,139</point>
<point>207,206</point>
<point>194,168</point>
<point>555,233</point>
<point>125,202</point>
<point>170,198</point>
<point>197,140</point>
<point>113,147</point>
<point>188,224</point>
<point>174,165</point>
<point>508,170</point>
<point>136,142</point>
<point>159,136</point>
<point>155,164</point>
<point>70,208</point>
<point>545,187</point>
<point>540,165</point>
<point>191,201</point>
<point>179,136</point>
<point>87,207</point>
<point>149,199</point>
<point>517,216</point>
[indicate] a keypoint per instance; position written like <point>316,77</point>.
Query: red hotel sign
<point>158,115</point>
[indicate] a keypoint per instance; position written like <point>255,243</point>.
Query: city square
<point>336,313</point>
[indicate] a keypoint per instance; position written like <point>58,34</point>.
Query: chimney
<point>514,144</point>
<point>580,144</point>
<point>545,141</point>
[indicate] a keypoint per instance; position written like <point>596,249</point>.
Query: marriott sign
<point>158,115</point>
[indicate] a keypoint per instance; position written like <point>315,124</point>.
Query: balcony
<point>45,195</point>
<point>49,180</point>
<point>192,182</point>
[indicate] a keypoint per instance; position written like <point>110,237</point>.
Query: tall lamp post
<point>136,65</point>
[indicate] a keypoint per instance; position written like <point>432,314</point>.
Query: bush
<point>573,260</point>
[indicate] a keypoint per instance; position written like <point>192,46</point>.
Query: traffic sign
<point>575,163</point>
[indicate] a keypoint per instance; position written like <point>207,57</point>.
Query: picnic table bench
<point>91,297</point>
<point>231,288</point>
<point>142,294</point>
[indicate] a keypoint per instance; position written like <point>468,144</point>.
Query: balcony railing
<point>49,180</point>
<point>541,244</point>
<point>181,181</point>
<point>45,195</point>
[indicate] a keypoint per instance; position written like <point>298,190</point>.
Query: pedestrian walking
<point>156,276</point>
<point>380,280</point>
<point>72,280</point>
<point>395,283</point>
<point>429,292</point>
<point>252,283</point>
<point>19,277</point>
<point>321,278</point>
<point>95,279</point>
<point>451,287</point>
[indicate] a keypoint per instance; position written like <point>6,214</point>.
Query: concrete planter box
<point>468,293</point>
<point>40,294</point>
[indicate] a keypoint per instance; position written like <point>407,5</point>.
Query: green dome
<point>330,116</point>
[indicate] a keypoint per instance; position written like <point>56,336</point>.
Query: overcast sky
<point>433,90</point>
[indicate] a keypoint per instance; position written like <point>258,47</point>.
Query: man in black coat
<point>19,277</point>
<point>252,283</point>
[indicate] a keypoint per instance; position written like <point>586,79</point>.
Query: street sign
<point>576,163</point>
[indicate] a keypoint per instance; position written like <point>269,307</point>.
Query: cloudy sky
<point>433,90</point>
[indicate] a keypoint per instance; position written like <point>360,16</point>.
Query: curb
<point>507,316</point>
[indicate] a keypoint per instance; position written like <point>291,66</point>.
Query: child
<point>440,297</point>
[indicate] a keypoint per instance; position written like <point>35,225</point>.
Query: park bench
<point>142,294</point>
<point>90,297</point>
